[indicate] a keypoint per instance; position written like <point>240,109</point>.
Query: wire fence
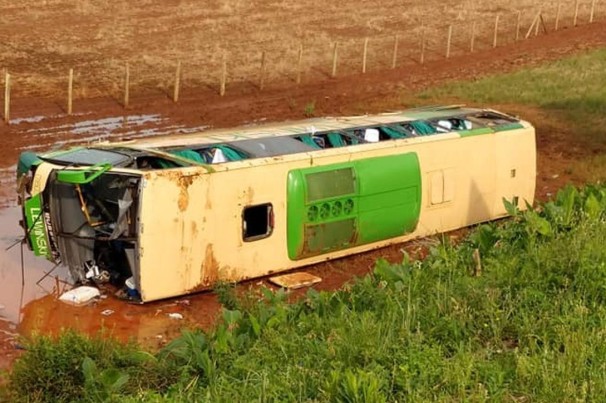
<point>265,63</point>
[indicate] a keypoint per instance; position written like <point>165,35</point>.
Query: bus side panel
<point>173,251</point>
<point>296,212</point>
<point>338,206</point>
<point>321,210</point>
<point>515,168</point>
<point>390,196</point>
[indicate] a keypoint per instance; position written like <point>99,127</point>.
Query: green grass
<point>530,327</point>
<point>573,89</point>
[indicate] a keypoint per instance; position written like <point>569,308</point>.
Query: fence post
<point>496,32</point>
<point>70,88</point>
<point>543,24</point>
<point>262,71</point>
<point>177,87</point>
<point>473,37</point>
<point>334,60</point>
<point>576,13</point>
<point>394,56</point>
<point>223,75</point>
<point>518,25</point>
<point>591,13</point>
<point>364,53</point>
<point>126,85</point>
<point>448,41</point>
<point>532,26</point>
<point>7,97</point>
<point>539,19</point>
<point>299,61</point>
<point>557,20</point>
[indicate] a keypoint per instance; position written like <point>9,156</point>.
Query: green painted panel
<point>321,209</point>
<point>340,206</point>
<point>296,212</point>
<point>390,196</point>
<point>476,132</point>
<point>27,159</point>
<point>510,126</point>
<point>435,113</point>
<point>35,225</point>
<point>82,176</point>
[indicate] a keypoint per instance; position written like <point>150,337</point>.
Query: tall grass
<point>573,89</point>
<point>531,327</point>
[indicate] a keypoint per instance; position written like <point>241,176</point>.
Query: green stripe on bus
<point>510,126</point>
<point>476,132</point>
<point>35,226</point>
<point>340,206</point>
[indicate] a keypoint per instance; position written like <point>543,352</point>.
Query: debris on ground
<point>80,295</point>
<point>107,312</point>
<point>293,281</point>
<point>175,315</point>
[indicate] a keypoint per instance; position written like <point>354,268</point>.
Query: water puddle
<point>112,125</point>
<point>32,301</point>
<point>18,287</point>
<point>29,294</point>
<point>95,130</point>
<point>8,192</point>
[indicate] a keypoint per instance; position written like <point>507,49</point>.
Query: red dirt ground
<point>354,94</point>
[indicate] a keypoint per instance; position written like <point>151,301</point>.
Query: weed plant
<point>531,327</point>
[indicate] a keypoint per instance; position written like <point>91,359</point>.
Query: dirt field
<point>40,124</point>
<point>41,40</point>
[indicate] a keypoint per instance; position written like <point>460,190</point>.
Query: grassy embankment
<point>531,326</point>
<point>567,99</point>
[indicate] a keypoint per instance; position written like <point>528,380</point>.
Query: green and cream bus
<point>173,215</point>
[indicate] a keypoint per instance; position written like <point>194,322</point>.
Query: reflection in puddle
<point>104,127</point>
<point>15,290</point>
<point>35,307</point>
<point>90,131</point>
<point>8,190</point>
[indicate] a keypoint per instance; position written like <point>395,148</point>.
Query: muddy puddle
<point>45,133</point>
<point>22,284</point>
<point>30,286</point>
<point>31,302</point>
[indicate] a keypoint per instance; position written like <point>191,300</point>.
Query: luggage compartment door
<point>339,206</point>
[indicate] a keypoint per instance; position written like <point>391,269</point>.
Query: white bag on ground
<point>80,295</point>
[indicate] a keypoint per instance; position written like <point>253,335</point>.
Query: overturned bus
<point>174,215</point>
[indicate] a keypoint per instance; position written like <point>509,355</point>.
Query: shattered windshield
<point>89,156</point>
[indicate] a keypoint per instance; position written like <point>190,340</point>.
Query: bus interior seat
<point>372,135</point>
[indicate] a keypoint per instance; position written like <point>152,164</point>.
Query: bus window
<point>392,133</point>
<point>218,153</point>
<point>419,128</point>
<point>309,140</point>
<point>453,124</point>
<point>257,222</point>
